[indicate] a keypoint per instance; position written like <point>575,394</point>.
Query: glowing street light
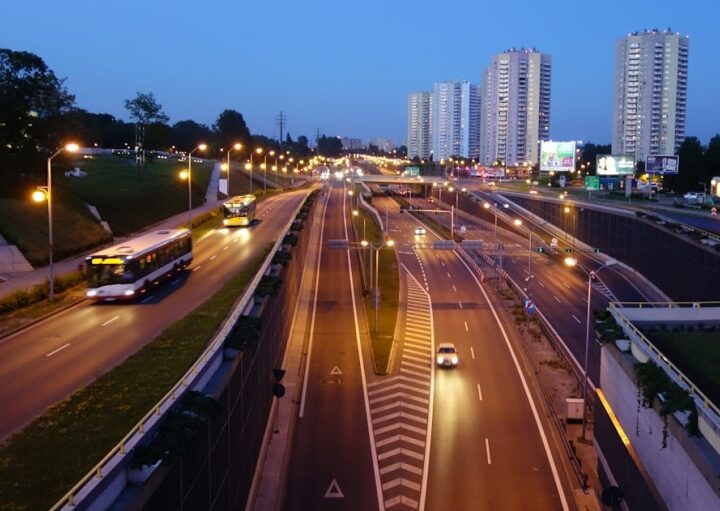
<point>187,174</point>
<point>45,193</point>
<point>237,147</point>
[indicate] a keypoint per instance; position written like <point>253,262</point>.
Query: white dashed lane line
<point>472,354</point>
<point>213,257</point>
<point>110,321</point>
<point>576,319</point>
<point>196,268</point>
<point>454,289</point>
<point>565,284</point>
<point>541,284</point>
<point>487,449</point>
<point>479,391</point>
<point>59,349</point>
<point>466,327</point>
<point>557,299</point>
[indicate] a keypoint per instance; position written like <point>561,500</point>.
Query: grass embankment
<point>381,335</point>
<point>113,185</point>
<point>129,200</point>
<point>697,354</point>
<point>41,463</point>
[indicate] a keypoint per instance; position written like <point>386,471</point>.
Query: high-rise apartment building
<point>419,136</point>
<point>515,102</point>
<point>455,120</point>
<point>650,93</point>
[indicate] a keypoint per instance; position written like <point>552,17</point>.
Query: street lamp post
<point>272,153</point>
<point>249,167</point>
<point>188,175</point>
<point>374,292</point>
<point>71,148</point>
<point>237,147</point>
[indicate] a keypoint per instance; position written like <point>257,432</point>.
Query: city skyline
<point>328,70</point>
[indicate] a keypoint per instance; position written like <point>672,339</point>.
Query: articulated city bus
<point>239,210</point>
<point>126,271</point>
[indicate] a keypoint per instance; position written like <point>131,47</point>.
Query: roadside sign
<point>529,306</point>
<point>592,183</point>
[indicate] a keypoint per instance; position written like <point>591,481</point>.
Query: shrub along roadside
<point>62,445</point>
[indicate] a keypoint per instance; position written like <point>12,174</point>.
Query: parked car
<point>447,355</point>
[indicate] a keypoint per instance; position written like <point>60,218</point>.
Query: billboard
<point>614,165</point>
<point>487,172</point>
<point>557,156</point>
<point>662,164</point>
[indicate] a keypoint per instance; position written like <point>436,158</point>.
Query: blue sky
<point>347,67</point>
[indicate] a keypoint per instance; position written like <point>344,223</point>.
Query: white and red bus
<point>127,270</point>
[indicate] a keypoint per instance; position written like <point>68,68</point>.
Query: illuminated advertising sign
<point>614,165</point>
<point>662,164</point>
<point>557,156</point>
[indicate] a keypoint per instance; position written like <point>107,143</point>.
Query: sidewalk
<point>24,280</point>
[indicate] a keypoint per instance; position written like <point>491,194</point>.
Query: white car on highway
<point>419,231</point>
<point>447,355</point>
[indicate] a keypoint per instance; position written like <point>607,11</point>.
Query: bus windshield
<point>235,210</point>
<point>108,274</point>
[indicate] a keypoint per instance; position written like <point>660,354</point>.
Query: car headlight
<point>225,221</point>
<point>439,359</point>
<point>129,292</point>
<point>454,360</point>
<point>91,293</point>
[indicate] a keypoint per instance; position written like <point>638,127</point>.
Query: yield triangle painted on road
<point>334,491</point>
<point>336,370</point>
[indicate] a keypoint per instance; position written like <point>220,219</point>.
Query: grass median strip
<point>43,461</point>
<point>382,332</point>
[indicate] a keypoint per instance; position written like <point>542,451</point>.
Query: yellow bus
<point>239,211</point>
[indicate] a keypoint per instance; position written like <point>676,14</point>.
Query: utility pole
<point>281,122</point>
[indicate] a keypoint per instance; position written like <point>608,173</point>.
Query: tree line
<point>38,114</point>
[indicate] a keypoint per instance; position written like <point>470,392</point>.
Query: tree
<point>101,129</point>
<point>186,135</point>
<point>32,103</point>
<point>230,128</point>
<point>691,163</point>
<point>302,141</point>
<point>711,163</point>
<point>330,146</point>
<point>288,140</point>
<point>144,109</point>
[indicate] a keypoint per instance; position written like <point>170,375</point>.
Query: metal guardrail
<point>667,305</point>
<point>660,359</point>
<point>112,460</point>
<point>682,225</point>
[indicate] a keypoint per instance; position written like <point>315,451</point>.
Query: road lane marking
<point>479,391</point>
<point>557,299</point>
<point>526,389</point>
<point>225,247</point>
<point>541,284</point>
<point>565,284</point>
<point>213,257</point>
<point>472,354</point>
<point>576,319</point>
<point>487,449</point>
<point>59,349</point>
<point>454,289</point>
<point>448,274</point>
<point>334,491</point>
<point>466,327</point>
<point>197,268</point>
<point>460,304</point>
<point>110,321</point>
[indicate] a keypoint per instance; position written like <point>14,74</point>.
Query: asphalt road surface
<point>47,362</point>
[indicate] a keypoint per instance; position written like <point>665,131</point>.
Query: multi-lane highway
<point>46,362</point>
<point>419,437</point>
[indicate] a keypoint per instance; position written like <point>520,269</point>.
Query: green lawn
<point>62,445</point>
<point>389,284</point>
<point>697,354</point>
<point>129,200</point>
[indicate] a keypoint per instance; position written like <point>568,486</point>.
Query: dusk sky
<point>347,67</point>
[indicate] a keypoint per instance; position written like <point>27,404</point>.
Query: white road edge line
<point>487,450</point>
<point>59,349</point>
<point>312,320</point>
<point>368,416</point>
<point>431,404</point>
<point>110,321</point>
<point>546,445</point>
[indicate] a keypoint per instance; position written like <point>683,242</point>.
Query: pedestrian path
<point>400,406</point>
<point>11,259</point>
